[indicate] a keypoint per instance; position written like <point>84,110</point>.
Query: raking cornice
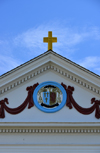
<point>50,61</point>
<point>55,54</point>
<point>80,81</point>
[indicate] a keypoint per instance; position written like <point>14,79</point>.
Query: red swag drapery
<point>28,101</point>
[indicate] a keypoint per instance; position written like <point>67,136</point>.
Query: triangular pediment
<point>50,66</point>
<point>47,62</point>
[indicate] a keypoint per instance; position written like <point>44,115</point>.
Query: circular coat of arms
<point>49,96</point>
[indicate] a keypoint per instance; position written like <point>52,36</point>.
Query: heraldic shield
<point>49,98</point>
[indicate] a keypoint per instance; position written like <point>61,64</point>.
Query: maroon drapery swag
<point>28,101</point>
<point>70,102</point>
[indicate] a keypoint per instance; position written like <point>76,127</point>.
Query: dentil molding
<point>66,74</point>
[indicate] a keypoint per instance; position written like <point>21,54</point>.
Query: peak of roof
<point>44,54</point>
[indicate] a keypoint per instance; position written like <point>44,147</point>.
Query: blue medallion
<point>49,96</point>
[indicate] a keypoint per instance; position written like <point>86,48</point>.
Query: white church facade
<point>50,104</point>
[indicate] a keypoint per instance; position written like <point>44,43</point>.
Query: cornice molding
<point>43,130</point>
<point>66,74</point>
<point>51,124</point>
<point>64,128</point>
<point>56,55</point>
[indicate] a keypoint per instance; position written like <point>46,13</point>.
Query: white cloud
<point>91,62</point>
<point>7,63</point>
<point>95,32</point>
<point>67,37</point>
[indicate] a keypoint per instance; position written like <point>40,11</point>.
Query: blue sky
<point>75,23</point>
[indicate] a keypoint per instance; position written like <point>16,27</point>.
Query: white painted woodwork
<point>64,131</point>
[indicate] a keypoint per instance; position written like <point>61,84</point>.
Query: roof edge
<point>46,53</point>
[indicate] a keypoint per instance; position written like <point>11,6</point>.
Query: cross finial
<point>50,40</point>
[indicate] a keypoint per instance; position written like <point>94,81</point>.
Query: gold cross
<point>50,40</point>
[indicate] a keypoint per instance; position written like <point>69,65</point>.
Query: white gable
<point>51,67</point>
